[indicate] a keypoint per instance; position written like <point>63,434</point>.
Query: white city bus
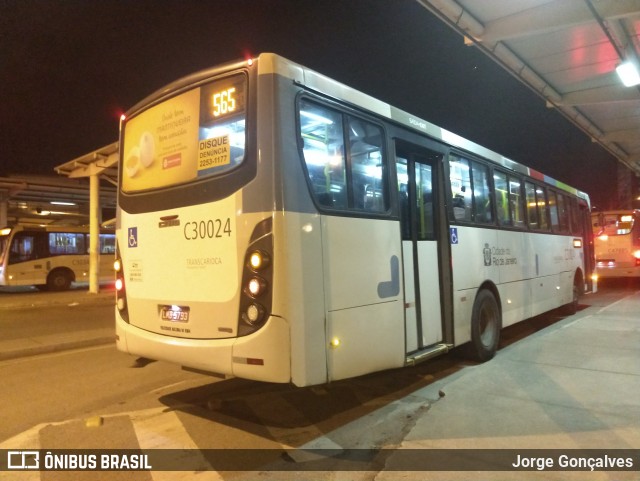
<point>51,257</point>
<point>617,243</point>
<point>276,225</point>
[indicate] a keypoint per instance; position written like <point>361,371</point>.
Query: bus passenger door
<point>418,197</point>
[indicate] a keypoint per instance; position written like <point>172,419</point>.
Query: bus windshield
<point>196,134</point>
<point>4,243</point>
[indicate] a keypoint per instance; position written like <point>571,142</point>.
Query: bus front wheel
<point>59,280</point>
<point>486,324</point>
<point>571,308</point>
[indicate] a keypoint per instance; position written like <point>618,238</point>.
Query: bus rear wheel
<point>59,280</point>
<point>486,324</point>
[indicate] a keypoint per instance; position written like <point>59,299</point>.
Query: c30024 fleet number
<point>207,229</point>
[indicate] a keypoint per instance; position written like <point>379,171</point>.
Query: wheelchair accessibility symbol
<point>133,237</point>
<point>453,235</point>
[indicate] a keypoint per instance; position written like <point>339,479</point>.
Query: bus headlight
<point>117,265</point>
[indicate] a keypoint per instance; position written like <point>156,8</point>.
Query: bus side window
<point>532,211</point>
<point>323,151</point>
<point>576,224</point>
<point>403,194</point>
<point>470,190</point>
<point>509,199</point>
<point>65,243</point>
<point>107,243</point>
<point>367,167</point>
<point>516,201</point>
<point>460,178</point>
<point>424,199</point>
<point>541,202</point>
<point>481,194</point>
<point>563,214</point>
<point>344,159</point>
<point>553,211</point>
<point>502,197</point>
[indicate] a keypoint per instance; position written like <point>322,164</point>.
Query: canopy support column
<point>94,233</point>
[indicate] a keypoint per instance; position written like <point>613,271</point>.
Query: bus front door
<point>418,194</point>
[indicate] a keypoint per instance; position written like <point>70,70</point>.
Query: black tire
<point>486,324</point>
<point>59,280</point>
<point>571,308</point>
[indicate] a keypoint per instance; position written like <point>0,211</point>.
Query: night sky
<point>68,69</point>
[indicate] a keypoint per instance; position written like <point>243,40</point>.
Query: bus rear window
<point>613,224</point>
<point>196,134</point>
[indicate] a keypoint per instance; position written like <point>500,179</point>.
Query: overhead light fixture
<point>59,202</point>
<point>628,73</point>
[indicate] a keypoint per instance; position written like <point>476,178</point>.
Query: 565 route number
<point>207,229</point>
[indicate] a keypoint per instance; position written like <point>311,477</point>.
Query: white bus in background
<point>617,243</point>
<point>276,225</point>
<point>51,257</point>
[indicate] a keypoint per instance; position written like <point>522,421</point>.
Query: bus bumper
<point>261,356</point>
<point>618,271</point>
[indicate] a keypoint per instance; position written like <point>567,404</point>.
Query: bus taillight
<point>258,260</point>
<point>117,266</point>
<point>257,276</point>
<point>254,314</point>
<point>121,297</point>
<point>256,287</point>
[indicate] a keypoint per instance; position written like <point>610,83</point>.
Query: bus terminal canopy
<point>567,51</point>
<point>99,163</point>
<point>102,162</point>
<point>28,199</point>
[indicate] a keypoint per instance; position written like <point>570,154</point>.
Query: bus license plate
<point>174,313</point>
